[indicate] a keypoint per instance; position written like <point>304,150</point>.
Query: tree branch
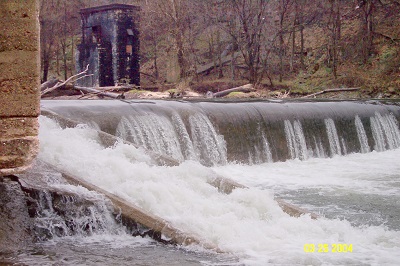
<point>386,37</point>
<point>70,79</point>
<point>330,90</point>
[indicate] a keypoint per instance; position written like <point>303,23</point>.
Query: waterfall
<point>362,135</point>
<point>358,188</point>
<point>170,136</point>
<point>334,143</point>
<point>187,144</point>
<point>152,132</point>
<point>59,215</point>
<point>295,140</point>
<point>319,149</point>
<point>267,149</point>
<point>215,133</point>
<point>209,146</point>
<point>386,131</point>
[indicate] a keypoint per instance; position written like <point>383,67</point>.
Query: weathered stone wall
<point>19,84</point>
<point>15,222</point>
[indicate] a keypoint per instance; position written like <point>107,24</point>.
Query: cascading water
<point>215,133</point>
<point>295,138</point>
<point>334,143</point>
<point>170,136</point>
<point>336,172</point>
<point>67,215</point>
<point>362,135</point>
<point>386,132</point>
<point>154,133</point>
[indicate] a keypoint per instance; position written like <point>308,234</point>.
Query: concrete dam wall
<point>216,133</point>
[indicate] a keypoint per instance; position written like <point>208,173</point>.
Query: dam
<point>338,159</point>
<point>216,133</point>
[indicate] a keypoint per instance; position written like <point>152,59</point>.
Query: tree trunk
<point>64,44</point>
<point>155,57</point>
<point>72,55</point>
<point>295,25</point>
<point>46,65</point>
<point>293,48</point>
<point>58,60</point>
<point>302,47</point>
<point>180,55</point>
<point>233,66</point>
<point>301,29</point>
<point>64,51</point>
<point>220,73</point>
<point>368,10</point>
<point>281,45</point>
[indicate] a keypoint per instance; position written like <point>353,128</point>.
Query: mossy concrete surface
<point>19,84</point>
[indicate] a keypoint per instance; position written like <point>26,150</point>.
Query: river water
<point>357,197</point>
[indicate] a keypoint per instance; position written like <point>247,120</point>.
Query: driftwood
<point>330,90</point>
<point>244,88</point>
<point>104,93</point>
<point>98,92</point>
<point>50,84</point>
<point>45,87</point>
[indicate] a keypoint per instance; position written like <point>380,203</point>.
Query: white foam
<point>374,172</point>
<point>247,222</point>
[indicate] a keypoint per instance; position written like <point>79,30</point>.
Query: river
<point>356,195</point>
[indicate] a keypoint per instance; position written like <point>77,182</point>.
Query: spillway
<point>338,159</point>
<point>216,133</point>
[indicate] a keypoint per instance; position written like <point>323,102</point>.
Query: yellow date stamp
<point>326,248</point>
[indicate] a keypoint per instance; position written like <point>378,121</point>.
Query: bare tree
<point>295,26</point>
<point>334,29</point>
<point>48,24</point>
<point>176,15</point>
<point>214,21</point>
<point>250,17</point>
<point>283,11</point>
<point>59,22</point>
<point>152,26</point>
<point>367,8</point>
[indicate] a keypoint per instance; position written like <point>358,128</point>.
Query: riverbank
<point>262,93</point>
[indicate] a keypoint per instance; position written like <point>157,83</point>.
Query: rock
<point>15,223</point>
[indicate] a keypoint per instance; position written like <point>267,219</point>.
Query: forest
<point>282,47</point>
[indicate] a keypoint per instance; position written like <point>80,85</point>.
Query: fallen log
<point>101,93</point>
<point>330,90</point>
<point>245,88</point>
<point>103,90</point>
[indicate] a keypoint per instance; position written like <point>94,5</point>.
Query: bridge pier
<point>19,84</point>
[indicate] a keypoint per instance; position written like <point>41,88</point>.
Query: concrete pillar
<point>19,84</point>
